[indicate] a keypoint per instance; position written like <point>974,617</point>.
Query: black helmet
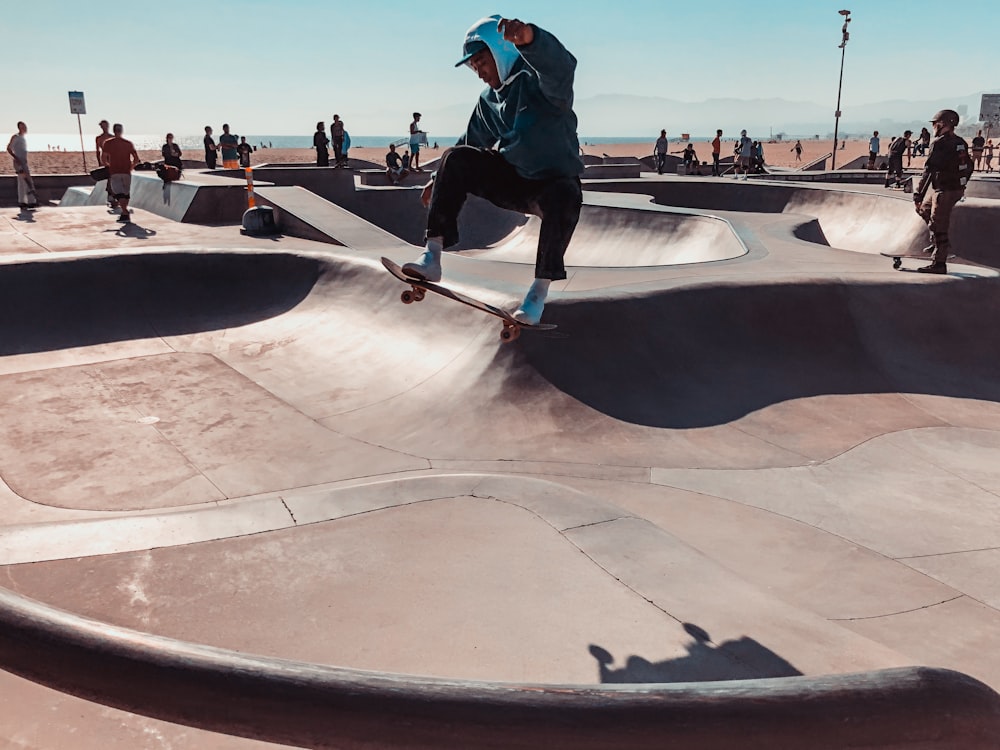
<point>947,116</point>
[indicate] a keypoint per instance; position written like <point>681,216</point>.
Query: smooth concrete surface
<point>740,500</point>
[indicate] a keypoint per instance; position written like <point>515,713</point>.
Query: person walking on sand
<point>337,136</point>
<point>660,149</point>
<point>99,147</point>
<point>120,158</point>
<point>942,185</point>
<point>211,151</point>
<point>716,152</point>
<point>320,143</point>
<point>520,150</point>
<point>17,147</point>
<point>417,137</point>
<point>797,148</point>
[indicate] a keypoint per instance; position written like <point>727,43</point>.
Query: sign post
<point>77,106</point>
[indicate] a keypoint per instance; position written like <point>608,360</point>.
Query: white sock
<point>539,289</point>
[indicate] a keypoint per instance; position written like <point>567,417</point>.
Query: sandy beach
<point>775,154</point>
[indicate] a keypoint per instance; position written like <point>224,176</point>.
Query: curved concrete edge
<point>317,706</point>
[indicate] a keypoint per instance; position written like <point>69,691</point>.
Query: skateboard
<point>897,258</point>
<point>511,327</point>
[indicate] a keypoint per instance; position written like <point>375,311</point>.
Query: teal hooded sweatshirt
<point>529,119</point>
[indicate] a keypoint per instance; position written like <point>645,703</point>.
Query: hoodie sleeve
<point>554,65</point>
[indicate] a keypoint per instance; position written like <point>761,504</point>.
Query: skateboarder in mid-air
<point>520,150</point>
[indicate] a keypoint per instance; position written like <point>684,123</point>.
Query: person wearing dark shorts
<point>520,150</point>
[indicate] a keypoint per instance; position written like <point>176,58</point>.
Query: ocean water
<point>145,141</point>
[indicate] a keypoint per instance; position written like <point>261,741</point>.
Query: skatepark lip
<point>625,236</point>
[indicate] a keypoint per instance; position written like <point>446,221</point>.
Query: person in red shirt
<point>120,157</point>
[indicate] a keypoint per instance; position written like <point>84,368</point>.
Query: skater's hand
<point>425,195</point>
<point>518,32</point>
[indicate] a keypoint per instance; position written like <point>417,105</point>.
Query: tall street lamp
<point>843,46</point>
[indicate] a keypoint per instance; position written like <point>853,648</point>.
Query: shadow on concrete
<point>709,355</point>
<point>743,659</point>
<point>51,305</point>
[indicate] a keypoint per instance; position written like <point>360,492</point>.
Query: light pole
<point>843,47</point>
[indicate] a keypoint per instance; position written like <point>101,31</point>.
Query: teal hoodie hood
<point>484,34</point>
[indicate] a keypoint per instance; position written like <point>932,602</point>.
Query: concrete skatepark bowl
<point>745,496</point>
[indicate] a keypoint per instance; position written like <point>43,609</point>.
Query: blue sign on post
<point>77,106</point>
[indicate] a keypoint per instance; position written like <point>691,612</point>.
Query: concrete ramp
<point>623,236</point>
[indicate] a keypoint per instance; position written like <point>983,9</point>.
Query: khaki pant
<point>936,210</point>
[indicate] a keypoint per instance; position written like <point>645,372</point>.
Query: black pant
<point>715,164</point>
<point>338,150</point>
<point>661,160</point>
<point>895,169</point>
<point>322,157</point>
<point>466,170</point>
<point>210,157</point>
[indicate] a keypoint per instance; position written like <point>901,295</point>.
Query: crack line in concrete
<point>901,612</point>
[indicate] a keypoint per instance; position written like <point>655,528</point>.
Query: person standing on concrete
<point>417,137</point>
<point>745,155</point>
<point>244,150</point>
<point>337,136</point>
<point>660,151</point>
<point>873,147</point>
<point>716,152</point>
<point>320,143</point>
<point>228,143</point>
<point>120,158</point>
<point>17,147</point>
<point>978,144</point>
<point>211,151</point>
<point>897,149</point>
<point>99,147</point>
<point>520,150</point>
<point>942,185</point>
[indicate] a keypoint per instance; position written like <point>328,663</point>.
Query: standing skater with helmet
<point>942,185</point>
<point>520,150</point>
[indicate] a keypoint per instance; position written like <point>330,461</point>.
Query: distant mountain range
<point>617,115</point>
<point>613,114</point>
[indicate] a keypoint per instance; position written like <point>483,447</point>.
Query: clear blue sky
<point>278,66</point>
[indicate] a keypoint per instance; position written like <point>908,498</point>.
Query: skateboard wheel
<point>418,295</point>
<point>897,263</point>
<point>406,297</point>
<point>509,333</point>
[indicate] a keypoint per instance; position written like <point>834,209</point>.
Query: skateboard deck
<point>511,327</point>
<point>897,257</point>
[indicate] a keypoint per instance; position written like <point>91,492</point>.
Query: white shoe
<point>427,268</point>
<point>530,311</point>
